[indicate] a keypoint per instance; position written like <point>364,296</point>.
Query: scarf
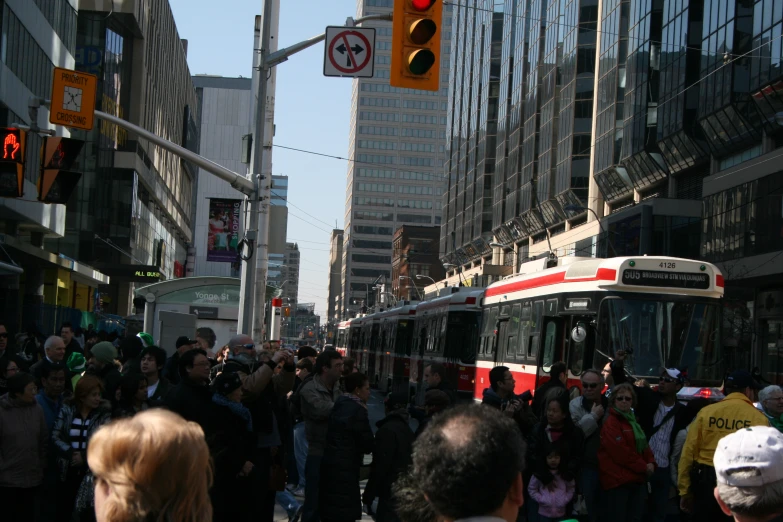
<point>775,422</point>
<point>355,399</point>
<point>638,432</point>
<point>237,408</point>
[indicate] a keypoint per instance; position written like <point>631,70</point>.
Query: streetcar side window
<point>535,328</point>
<point>490,323</point>
<point>524,331</point>
<point>512,346</point>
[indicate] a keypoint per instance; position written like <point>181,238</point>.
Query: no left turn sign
<point>349,52</point>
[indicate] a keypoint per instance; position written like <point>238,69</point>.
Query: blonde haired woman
<point>151,467</point>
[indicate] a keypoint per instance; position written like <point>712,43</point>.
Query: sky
<point>312,112</point>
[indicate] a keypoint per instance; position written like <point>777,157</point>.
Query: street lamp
<point>507,248</point>
<point>421,276</point>
<point>414,285</point>
<point>578,208</point>
<point>459,270</point>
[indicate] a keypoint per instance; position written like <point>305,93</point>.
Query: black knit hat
<point>226,383</point>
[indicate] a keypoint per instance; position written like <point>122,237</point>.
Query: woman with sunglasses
<point>625,460</point>
<point>9,366</point>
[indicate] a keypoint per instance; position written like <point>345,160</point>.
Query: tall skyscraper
<point>278,229</point>
<point>334,304</point>
<point>396,177</point>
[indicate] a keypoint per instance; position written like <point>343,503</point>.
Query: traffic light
<point>12,162</point>
<point>287,311</point>
<point>416,35</point>
<point>57,181</point>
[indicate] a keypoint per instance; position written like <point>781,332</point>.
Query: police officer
<point>696,475</point>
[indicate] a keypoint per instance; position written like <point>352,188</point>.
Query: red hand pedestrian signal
<point>11,147</point>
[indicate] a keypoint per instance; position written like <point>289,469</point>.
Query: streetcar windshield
<point>656,334</point>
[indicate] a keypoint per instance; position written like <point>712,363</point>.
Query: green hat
<point>76,362</point>
<point>104,352</point>
<point>146,339</point>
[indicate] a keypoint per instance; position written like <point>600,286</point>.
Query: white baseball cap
<point>758,449</point>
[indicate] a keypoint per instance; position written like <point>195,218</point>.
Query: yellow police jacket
<point>712,424</point>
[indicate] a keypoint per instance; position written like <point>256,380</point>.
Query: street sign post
<point>349,52</point>
<point>73,99</point>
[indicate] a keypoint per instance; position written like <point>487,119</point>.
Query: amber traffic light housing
<point>416,40</point>
<point>12,162</point>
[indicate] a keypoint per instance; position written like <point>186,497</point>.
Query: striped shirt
<point>660,441</point>
<point>78,433</point>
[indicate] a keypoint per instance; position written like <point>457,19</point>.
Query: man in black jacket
<point>391,457</point>
<point>71,344</point>
<point>661,417</point>
<point>192,397</point>
<point>558,376</point>
<point>171,371</point>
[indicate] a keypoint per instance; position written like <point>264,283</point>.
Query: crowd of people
<point>107,430</point>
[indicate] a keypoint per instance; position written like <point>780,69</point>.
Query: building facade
<point>334,303</point>
<point>396,174</point>
<point>130,215</point>
<point>40,284</point>
<point>662,120</point>
<point>278,249</point>
<point>290,273</point>
<point>415,264</point>
<point>225,107</point>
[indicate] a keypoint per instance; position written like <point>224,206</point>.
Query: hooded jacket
<point>23,443</point>
<point>392,456</point>
<point>348,439</point>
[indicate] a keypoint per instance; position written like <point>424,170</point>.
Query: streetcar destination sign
<point>666,279</point>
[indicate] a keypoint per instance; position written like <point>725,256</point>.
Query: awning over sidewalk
<point>80,272</point>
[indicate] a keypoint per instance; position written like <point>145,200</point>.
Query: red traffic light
<point>422,5</point>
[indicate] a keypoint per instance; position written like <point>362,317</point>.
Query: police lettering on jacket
<point>728,424</point>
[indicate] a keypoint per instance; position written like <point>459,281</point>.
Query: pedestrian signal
<point>57,180</point>
<point>12,162</point>
<point>416,41</point>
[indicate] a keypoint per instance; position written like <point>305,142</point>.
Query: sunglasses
<point>590,385</point>
<point>623,399</point>
<point>3,336</point>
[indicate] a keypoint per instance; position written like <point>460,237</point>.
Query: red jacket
<point>618,461</point>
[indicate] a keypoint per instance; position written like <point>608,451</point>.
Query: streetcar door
<point>551,349</point>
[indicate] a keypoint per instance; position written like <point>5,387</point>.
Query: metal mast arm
<point>237,181</point>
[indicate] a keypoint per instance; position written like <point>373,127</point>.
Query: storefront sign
<point>137,273</point>
<point>223,230</point>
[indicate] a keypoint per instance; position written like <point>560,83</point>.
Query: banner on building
<point>223,232</point>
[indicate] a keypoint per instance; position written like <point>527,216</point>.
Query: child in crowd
<point>553,497</point>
